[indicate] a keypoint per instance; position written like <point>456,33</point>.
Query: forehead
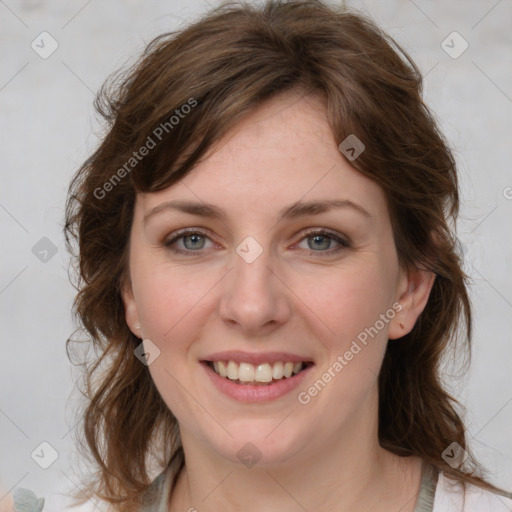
<point>281,153</point>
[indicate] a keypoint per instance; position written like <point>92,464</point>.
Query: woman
<point>268,271</point>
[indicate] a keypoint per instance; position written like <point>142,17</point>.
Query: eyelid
<point>191,230</point>
<point>326,231</point>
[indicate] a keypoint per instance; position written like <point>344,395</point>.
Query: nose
<point>255,299</point>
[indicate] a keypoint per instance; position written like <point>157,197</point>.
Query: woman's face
<point>244,261</point>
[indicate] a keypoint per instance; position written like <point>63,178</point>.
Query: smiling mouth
<point>257,375</point>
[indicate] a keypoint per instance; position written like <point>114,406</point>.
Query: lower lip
<point>249,393</point>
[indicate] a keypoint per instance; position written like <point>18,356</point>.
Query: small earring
<point>137,326</point>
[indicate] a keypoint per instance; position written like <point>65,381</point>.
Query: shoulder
<point>450,497</point>
<point>24,500</point>
<point>155,498</point>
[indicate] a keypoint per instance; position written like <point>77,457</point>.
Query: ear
<point>413,292</point>
<point>130,308</point>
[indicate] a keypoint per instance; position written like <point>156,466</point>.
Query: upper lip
<point>256,358</point>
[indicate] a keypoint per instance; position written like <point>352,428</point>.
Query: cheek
<point>345,311</point>
<point>173,308</point>
<point>170,300</point>
<point>347,301</point>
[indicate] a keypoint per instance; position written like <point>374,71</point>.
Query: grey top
<point>425,502</point>
<point>156,496</point>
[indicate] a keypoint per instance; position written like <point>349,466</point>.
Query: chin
<point>253,445</point>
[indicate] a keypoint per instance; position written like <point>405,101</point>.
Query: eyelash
<point>345,244</point>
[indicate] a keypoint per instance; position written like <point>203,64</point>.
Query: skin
<point>321,456</point>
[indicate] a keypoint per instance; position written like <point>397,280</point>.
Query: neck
<point>349,471</point>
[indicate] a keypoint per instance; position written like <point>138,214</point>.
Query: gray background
<point>48,127</point>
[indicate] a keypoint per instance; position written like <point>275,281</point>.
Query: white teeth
<point>232,370</point>
<point>223,371</point>
<point>246,372</point>
<point>277,370</point>
<point>263,373</point>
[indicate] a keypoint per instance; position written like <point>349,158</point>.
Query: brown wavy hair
<point>228,63</point>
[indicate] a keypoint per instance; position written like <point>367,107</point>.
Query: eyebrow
<point>295,210</point>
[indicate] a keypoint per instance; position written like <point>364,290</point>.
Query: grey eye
<point>197,241</point>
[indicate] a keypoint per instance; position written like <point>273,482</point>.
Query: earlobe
<point>414,293</point>
<point>130,309</point>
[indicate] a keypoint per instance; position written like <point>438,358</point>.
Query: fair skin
<point>305,294</point>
